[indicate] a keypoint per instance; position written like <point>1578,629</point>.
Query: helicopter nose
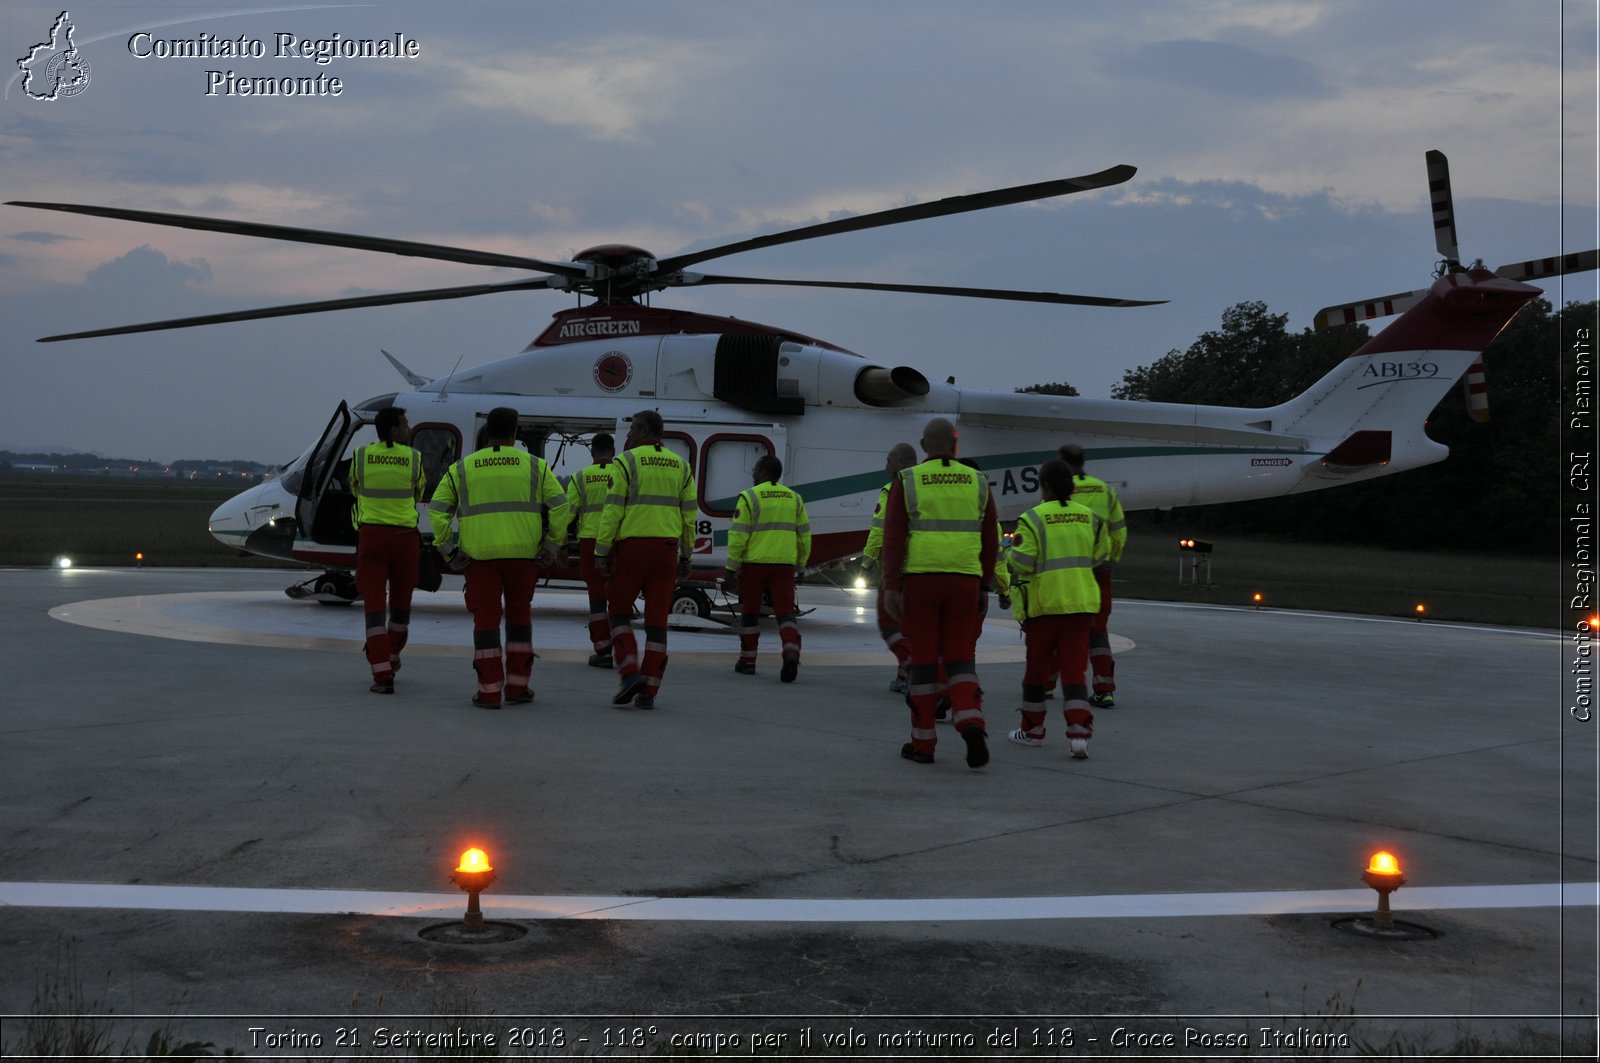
<point>255,518</point>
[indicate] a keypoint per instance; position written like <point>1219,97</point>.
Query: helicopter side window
<point>439,445</point>
<point>725,470</point>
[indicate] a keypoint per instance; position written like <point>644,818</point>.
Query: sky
<point>1279,147</point>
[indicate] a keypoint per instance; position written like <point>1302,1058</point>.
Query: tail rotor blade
<point>1444,210</point>
<point>1555,266</point>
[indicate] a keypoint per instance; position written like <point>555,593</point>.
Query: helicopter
<point>731,391</point>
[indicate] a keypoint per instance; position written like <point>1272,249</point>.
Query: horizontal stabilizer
<point>1366,310</point>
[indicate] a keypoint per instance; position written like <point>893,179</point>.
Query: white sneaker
<point>1022,738</point>
<point>1080,748</point>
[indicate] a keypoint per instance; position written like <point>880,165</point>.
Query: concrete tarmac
<point>205,816</point>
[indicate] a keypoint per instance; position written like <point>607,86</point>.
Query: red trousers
<point>754,582</point>
<point>651,566</point>
<point>1103,664</point>
<point>599,628</point>
<point>387,558</point>
<point>1057,645</point>
<point>894,638</point>
<point>511,580</point>
<point>941,620</point>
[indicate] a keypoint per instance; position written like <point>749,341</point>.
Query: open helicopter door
<point>324,502</point>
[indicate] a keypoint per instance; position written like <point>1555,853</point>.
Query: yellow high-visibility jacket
<point>770,527</point>
<point>1102,498</point>
<point>386,479</point>
<point>652,497</point>
<point>507,504</point>
<point>1052,556</point>
<point>586,495</point>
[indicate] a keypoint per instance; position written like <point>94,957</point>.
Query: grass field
<point>97,521</point>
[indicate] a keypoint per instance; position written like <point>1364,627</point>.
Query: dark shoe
<point>599,660</point>
<point>897,685</point>
<point>1102,700</point>
<point>911,753</point>
<point>484,703</point>
<point>977,748</point>
<point>745,668</point>
<point>632,685</point>
<point>519,699</point>
<point>789,671</point>
<point>644,701</point>
<point>382,688</point>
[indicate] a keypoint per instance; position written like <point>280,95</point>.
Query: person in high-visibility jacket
<point>645,541</point>
<point>939,545</point>
<point>387,480</point>
<point>900,456</point>
<point>1053,553</point>
<point>586,496</point>
<point>769,541</point>
<point>511,516</point>
<point>1102,498</point>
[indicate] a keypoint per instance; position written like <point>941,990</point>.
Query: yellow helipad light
<point>474,875</point>
<point>474,861</point>
<point>1383,863</point>
<point>1256,597</point>
<point>1383,875</point>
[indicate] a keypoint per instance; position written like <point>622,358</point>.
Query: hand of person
<point>602,564</point>
<point>457,561</point>
<point>983,601</point>
<point>894,603</point>
<point>546,558</point>
<point>1005,600</point>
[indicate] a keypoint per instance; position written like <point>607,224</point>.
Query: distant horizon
<point>11,453</point>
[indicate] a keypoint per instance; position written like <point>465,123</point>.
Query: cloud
<point>1228,70</point>
<point>34,237</point>
<point>149,272</point>
<point>612,89</point>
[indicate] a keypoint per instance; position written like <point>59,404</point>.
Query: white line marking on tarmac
<point>787,910</point>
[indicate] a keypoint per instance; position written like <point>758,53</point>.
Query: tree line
<point>1500,485</point>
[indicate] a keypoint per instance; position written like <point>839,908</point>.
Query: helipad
<point>200,799</point>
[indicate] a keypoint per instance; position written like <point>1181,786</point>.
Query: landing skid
<point>333,587</point>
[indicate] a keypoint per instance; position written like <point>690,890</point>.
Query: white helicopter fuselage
<point>730,391</point>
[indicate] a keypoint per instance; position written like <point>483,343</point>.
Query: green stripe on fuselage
<point>843,486</point>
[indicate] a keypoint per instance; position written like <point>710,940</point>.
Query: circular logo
<point>66,74</point>
<point>612,371</point>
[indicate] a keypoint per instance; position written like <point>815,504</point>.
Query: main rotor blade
<point>1444,210</point>
<point>1536,268</point>
<point>290,310</point>
<point>929,289</point>
<point>316,236</point>
<point>916,212</point>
